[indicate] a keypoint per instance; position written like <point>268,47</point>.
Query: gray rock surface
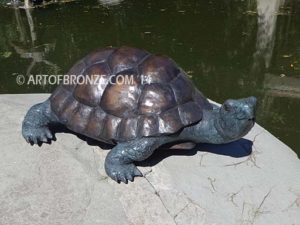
<point>65,183</point>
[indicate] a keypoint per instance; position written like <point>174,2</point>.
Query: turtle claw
<point>124,180</point>
<point>129,177</point>
<point>27,140</point>
<point>35,140</point>
<point>122,172</point>
<point>48,134</point>
<point>44,139</point>
<point>115,178</point>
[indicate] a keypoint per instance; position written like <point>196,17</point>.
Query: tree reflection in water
<point>27,48</point>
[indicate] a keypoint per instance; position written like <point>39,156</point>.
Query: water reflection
<point>273,61</point>
<point>36,54</point>
<point>267,17</point>
<point>27,48</point>
<point>31,25</point>
<point>109,2</point>
<point>20,26</point>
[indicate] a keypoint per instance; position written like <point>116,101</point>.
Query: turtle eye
<point>227,107</point>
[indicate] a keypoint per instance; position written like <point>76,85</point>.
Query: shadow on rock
<point>62,129</point>
<point>237,149</point>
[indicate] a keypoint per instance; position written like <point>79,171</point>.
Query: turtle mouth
<point>252,119</point>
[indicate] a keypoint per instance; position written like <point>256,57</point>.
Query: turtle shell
<point>157,99</point>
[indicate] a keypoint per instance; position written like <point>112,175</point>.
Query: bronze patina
<point>155,104</point>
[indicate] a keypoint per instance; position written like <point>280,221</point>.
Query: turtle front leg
<point>35,127</point>
<point>119,161</point>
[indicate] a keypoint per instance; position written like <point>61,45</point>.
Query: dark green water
<point>220,43</point>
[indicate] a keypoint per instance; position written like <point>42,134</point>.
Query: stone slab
<point>65,183</point>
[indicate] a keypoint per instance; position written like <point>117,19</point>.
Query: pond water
<point>230,49</point>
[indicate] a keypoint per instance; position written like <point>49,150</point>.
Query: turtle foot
<point>35,135</point>
<point>35,127</point>
<point>122,172</point>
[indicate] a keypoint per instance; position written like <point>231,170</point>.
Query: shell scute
<point>95,124</point>
<point>121,98</point>
<point>169,121</point>
<point>148,125</point>
<point>80,118</point>
<point>110,130</point>
<point>156,98</point>
<point>158,69</point>
<point>128,128</point>
<point>125,58</point>
<point>90,90</point>
<point>183,89</point>
<point>190,113</point>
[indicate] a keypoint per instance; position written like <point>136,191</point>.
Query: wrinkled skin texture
<point>140,117</point>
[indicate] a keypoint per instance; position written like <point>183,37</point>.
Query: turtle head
<point>237,117</point>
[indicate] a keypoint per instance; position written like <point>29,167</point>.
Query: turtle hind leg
<point>119,163</point>
<point>35,127</point>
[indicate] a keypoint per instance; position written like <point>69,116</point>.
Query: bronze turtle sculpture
<point>159,106</point>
